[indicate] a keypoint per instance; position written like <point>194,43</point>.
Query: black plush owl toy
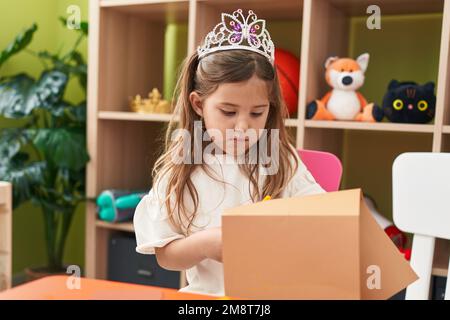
<point>408,102</point>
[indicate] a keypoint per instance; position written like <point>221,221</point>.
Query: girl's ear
<point>196,103</point>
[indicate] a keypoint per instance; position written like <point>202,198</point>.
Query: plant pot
<point>41,272</point>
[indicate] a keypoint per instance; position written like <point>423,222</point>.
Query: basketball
<point>288,71</point>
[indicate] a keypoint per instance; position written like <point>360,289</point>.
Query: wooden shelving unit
<point>446,129</point>
<point>5,235</point>
<point>132,116</point>
<point>379,126</point>
<point>126,57</point>
<point>122,226</point>
<point>441,258</point>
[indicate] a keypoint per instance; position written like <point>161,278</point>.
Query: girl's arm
<point>182,254</point>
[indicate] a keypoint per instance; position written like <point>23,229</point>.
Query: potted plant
<point>45,155</point>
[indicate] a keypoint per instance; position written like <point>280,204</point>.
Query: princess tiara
<point>231,32</point>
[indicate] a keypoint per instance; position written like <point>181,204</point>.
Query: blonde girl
<point>228,93</point>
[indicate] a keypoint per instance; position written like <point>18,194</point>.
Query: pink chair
<point>325,167</point>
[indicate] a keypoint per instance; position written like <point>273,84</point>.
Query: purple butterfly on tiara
<point>239,27</point>
<point>233,29</point>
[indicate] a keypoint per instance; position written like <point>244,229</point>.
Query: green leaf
<point>73,64</point>
<point>11,140</point>
<point>67,115</point>
<point>65,148</point>
<point>77,58</point>
<point>13,96</point>
<point>51,205</point>
<point>80,69</point>
<point>79,113</point>
<point>48,56</point>
<point>19,159</point>
<point>48,90</point>
<point>9,144</point>
<point>84,26</point>
<point>20,95</point>
<point>63,195</point>
<point>21,41</point>
<point>59,110</point>
<point>24,177</point>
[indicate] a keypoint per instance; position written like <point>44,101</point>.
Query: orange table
<point>57,288</point>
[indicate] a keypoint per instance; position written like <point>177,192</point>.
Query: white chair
<point>421,205</point>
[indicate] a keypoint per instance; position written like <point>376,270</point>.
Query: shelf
<point>158,11</point>
<point>127,55</point>
<point>126,3</point>
<point>126,153</point>
<point>291,122</point>
<point>133,116</point>
<point>446,129</point>
<point>157,117</point>
<point>134,37</point>
<point>284,9</point>
<point>348,6</point>
<point>344,33</point>
<point>119,226</point>
<point>439,271</point>
<point>377,126</point>
<point>441,258</point>
<point>353,7</point>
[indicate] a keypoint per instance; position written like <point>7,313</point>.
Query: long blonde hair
<point>204,77</point>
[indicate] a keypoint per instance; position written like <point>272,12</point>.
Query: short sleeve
<point>151,223</point>
<point>302,183</point>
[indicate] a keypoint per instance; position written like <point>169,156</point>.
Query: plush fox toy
<point>343,102</point>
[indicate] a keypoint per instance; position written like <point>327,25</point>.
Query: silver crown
<point>237,32</point>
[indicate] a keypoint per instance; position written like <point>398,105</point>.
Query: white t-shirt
<point>153,229</point>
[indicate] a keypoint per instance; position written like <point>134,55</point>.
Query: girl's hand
<point>212,243</point>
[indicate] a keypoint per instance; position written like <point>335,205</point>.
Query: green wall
<point>175,49</point>
<point>28,236</point>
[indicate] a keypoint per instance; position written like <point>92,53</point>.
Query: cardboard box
<point>325,246</point>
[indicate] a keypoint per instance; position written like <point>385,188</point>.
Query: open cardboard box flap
<point>325,246</point>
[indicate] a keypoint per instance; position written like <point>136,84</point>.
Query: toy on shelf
<point>154,103</point>
<point>409,102</point>
<point>343,102</point>
<point>397,237</point>
<point>118,205</point>
<point>288,72</point>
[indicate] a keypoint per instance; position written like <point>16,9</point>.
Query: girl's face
<point>234,114</point>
